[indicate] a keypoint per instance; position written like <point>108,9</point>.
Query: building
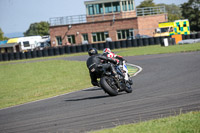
<point>106,20</point>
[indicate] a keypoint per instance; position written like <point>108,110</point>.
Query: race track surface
<point>169,84</point>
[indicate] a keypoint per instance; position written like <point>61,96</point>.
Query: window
<point>124,34</point>
<point>85,37</point>
<point>108,8</point>
<point>26,44</point>
<point>71,39</point>
<point>116,7</point>
<point>124,5</point>
<point>59,40</point>
<point>99,8</point>
<point>90,9</point>
<point>130,5</point>
<point>99,36</point>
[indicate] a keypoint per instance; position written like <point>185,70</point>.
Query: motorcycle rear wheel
<point>106,85</point>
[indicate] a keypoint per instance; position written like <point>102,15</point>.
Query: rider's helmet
<point>92,51</point>
<point>106,50</point>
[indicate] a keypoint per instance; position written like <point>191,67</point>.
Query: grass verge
<point>184,123</point>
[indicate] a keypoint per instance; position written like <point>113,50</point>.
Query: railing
<point>67,20</point>
<point>150,10</point>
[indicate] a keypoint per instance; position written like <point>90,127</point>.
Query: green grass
<point>24,82</point>
<point>184,123</point>
<point>21,83</point>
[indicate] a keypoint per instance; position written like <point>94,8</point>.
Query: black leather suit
<point>94,61</point>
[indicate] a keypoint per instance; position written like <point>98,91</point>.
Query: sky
<point>17,15</point>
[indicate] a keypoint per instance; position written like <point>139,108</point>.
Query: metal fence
<point>150,10</point>
<point>77,19</point>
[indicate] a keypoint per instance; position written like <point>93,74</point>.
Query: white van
<point>27,43</point>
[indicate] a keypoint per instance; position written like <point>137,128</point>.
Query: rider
<point>95,61</point>
<point>107,52</point>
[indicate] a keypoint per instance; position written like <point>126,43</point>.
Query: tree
<point>146,3</point>
<point>174,11</point>
<point>191,11</point>
<point>41,29</point>
<point>2,36</point>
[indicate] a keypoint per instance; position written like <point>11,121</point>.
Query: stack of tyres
<point>129,43</point>
<point>183,37</point>
<point>39,53</point>
<point>28,55</point>
<point>112,45</point>
<point>140,42</point>
<point>33,54</point>
<point>78,49</point>
<point>134,43</point>
<point>1,59</point>
<point>56,51</point>
<point>95,45</point>
<point>117,45</point>
<point>22,55</point>
<point>198,35</point>
<point>45,52</point>
<point>145,41</point>
<point>101,46</point>
<point>187,36</point>
<point>50,51</point>
<point>11,56</point>
<point>123,44</point>
<point>5,56</point>
<point>151,41</point>
<point>192,36</point>
<point>61,50</point>
<point>17,56</point>
<point>84,47</point>
<point>67,49</point>
<point>156,40</point>
<point>73,49</point>
<point>106,45</point>
<point>89,46</point>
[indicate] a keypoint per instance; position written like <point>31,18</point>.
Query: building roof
<point>8,45</point>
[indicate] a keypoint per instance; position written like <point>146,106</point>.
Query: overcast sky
<point>17,15</point>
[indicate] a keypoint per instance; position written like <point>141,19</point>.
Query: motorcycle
<point>112,85</point>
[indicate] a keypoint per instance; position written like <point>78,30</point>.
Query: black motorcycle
<point>112,85</point>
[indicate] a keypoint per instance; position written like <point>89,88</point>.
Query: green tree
<point>41,29</point>
<point>2,37</point>
<point>174,11</point>
<point>191,11</point>
<point>146,3</point>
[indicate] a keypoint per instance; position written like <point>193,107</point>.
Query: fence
<point>53,51</point>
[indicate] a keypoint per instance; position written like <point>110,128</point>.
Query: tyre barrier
<point>187,36</point>
<point>73,49</point>
<point>117,45</point>
<point>157,40</point>
<point>106,45</point>
<point>134,43</point>
<point>39,53</point>
<point>61,50</point>
<point>101,46</point>
<point>50,51</point>
<point>151,41</point>
<point>33,54</point>
<point>11,56</point>
<point>28,55</point>
<point>129,43</point>
<point>22,55</point>
<point>198,35</point>
<point>84,48</point>
<point>123,44</point>
<point>56,51</point>
<point>67,49</point>
<point>78,48</point>
<point>45,52</point>
<point>1,59</point>
<point>139,42</point>
<point>17,56</point>
<point>89,46</point>
<point>5,56</point>
<point>145,41</point>
<point>112,45</point>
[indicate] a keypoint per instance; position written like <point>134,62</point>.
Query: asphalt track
<point>168,85</point>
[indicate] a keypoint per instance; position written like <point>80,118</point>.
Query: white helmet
<point>106,50</point>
